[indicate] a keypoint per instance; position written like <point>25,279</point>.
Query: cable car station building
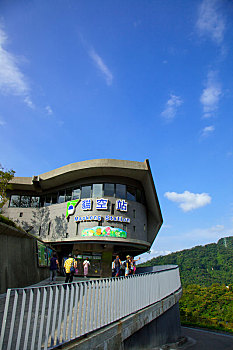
<point>96,209</point>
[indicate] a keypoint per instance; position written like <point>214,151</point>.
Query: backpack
<point>72,269</point>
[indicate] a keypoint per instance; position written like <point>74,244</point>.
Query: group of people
<point>124,268</point>
<point>70,267</point>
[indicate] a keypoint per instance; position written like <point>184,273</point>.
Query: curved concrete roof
<point>139,171</point>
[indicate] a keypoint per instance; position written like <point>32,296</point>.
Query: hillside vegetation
<point>202,265</point>
<point>207,280</point>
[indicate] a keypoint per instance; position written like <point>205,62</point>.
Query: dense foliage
<point>5,177</point>
<point>207,280</point>
<point>203,265</point>
<point>9,222</point>
<point>210,307</point>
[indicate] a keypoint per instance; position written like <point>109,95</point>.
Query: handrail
<point>43,317</point>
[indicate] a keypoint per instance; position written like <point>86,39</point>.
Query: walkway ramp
<point>45,317</point>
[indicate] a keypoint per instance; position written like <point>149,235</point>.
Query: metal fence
<point>48,316</point>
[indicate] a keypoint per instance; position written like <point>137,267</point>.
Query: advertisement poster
<point>49,255</point>
<point>103,231</point>
<point>42,254</point>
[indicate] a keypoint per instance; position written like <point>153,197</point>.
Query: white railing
<point>45,317</point>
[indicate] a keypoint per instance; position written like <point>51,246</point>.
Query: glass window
<point>42,201</point>
<point>35,201</point>
<point>120,191</point>
<point>139,195</point>
<point>86,191</point>
<point>109,190</point>
<point>97,190</point>
<point>25,201</point>
<point>47,200</point>
<point>15,201</point>
<point>131,193</point>
<point>54,198</point>
<point>68,195</point>
<point>61,196</point>
<point>76,193</point>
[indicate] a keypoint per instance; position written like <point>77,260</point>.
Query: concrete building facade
<point>95,209</point>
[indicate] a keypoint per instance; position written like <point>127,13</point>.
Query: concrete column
<point>106,263</point>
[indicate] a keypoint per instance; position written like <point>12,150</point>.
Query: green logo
<point>71,206</point>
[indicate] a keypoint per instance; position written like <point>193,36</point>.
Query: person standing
<point>67,266</point>
<point>53,268</point>
<point>86,264</point>
<point>117,266</point>
<point>133,262</point>
<point>127,266</point>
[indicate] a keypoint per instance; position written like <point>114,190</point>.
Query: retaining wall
<point>18,259</point>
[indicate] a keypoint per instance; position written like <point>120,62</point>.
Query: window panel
<point>143,198</point>
<point>97,190</point>
<point>42,201</point>
<point>139,195</point>
<point>35,201</point>
<point>76,193</point>
<point>25,201</point>
<point>54,198</point>
<point>120,191</point>
<point>68,195</point>
<point>61,196</point>
<point>47,202</point>
<point>86,191</point>
<point>15,201</point>
<point>131,193</point>
<point>109,190</point>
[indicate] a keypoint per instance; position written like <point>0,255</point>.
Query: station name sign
<point>100,204</point>
<point>99,218</point>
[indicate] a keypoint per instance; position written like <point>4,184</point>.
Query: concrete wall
<point>18,259</point>
<point>53,226</point>
<point>162,330</point>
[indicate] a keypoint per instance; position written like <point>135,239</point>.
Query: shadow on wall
<point>61,226</point>
<point>41,224</point>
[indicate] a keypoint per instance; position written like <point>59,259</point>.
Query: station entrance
<point>95,259</point>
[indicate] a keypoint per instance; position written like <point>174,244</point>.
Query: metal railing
<point>48,316</point>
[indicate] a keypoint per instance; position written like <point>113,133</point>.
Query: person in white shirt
<point>86,264</point>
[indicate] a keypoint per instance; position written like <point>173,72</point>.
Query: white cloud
<point>210,95</point>
<point>188,200</point>
<point>153,254</point>
<point>207,130</point>
<point>101,66</point>
<point>29,102</point>
<point>171,107</point>
<point>210,21</point>
<point>12,80</point>
<point>49,110</point>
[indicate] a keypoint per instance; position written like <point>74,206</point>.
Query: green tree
<point>5,177</point>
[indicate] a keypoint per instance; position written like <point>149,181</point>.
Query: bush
<point>9,222</point>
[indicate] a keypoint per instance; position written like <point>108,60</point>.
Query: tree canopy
<point>203,265</point>
<point>5,177</point>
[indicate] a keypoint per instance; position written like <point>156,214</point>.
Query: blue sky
<point>129,80</point>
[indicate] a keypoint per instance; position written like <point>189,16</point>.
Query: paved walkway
<point>60,280</point>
